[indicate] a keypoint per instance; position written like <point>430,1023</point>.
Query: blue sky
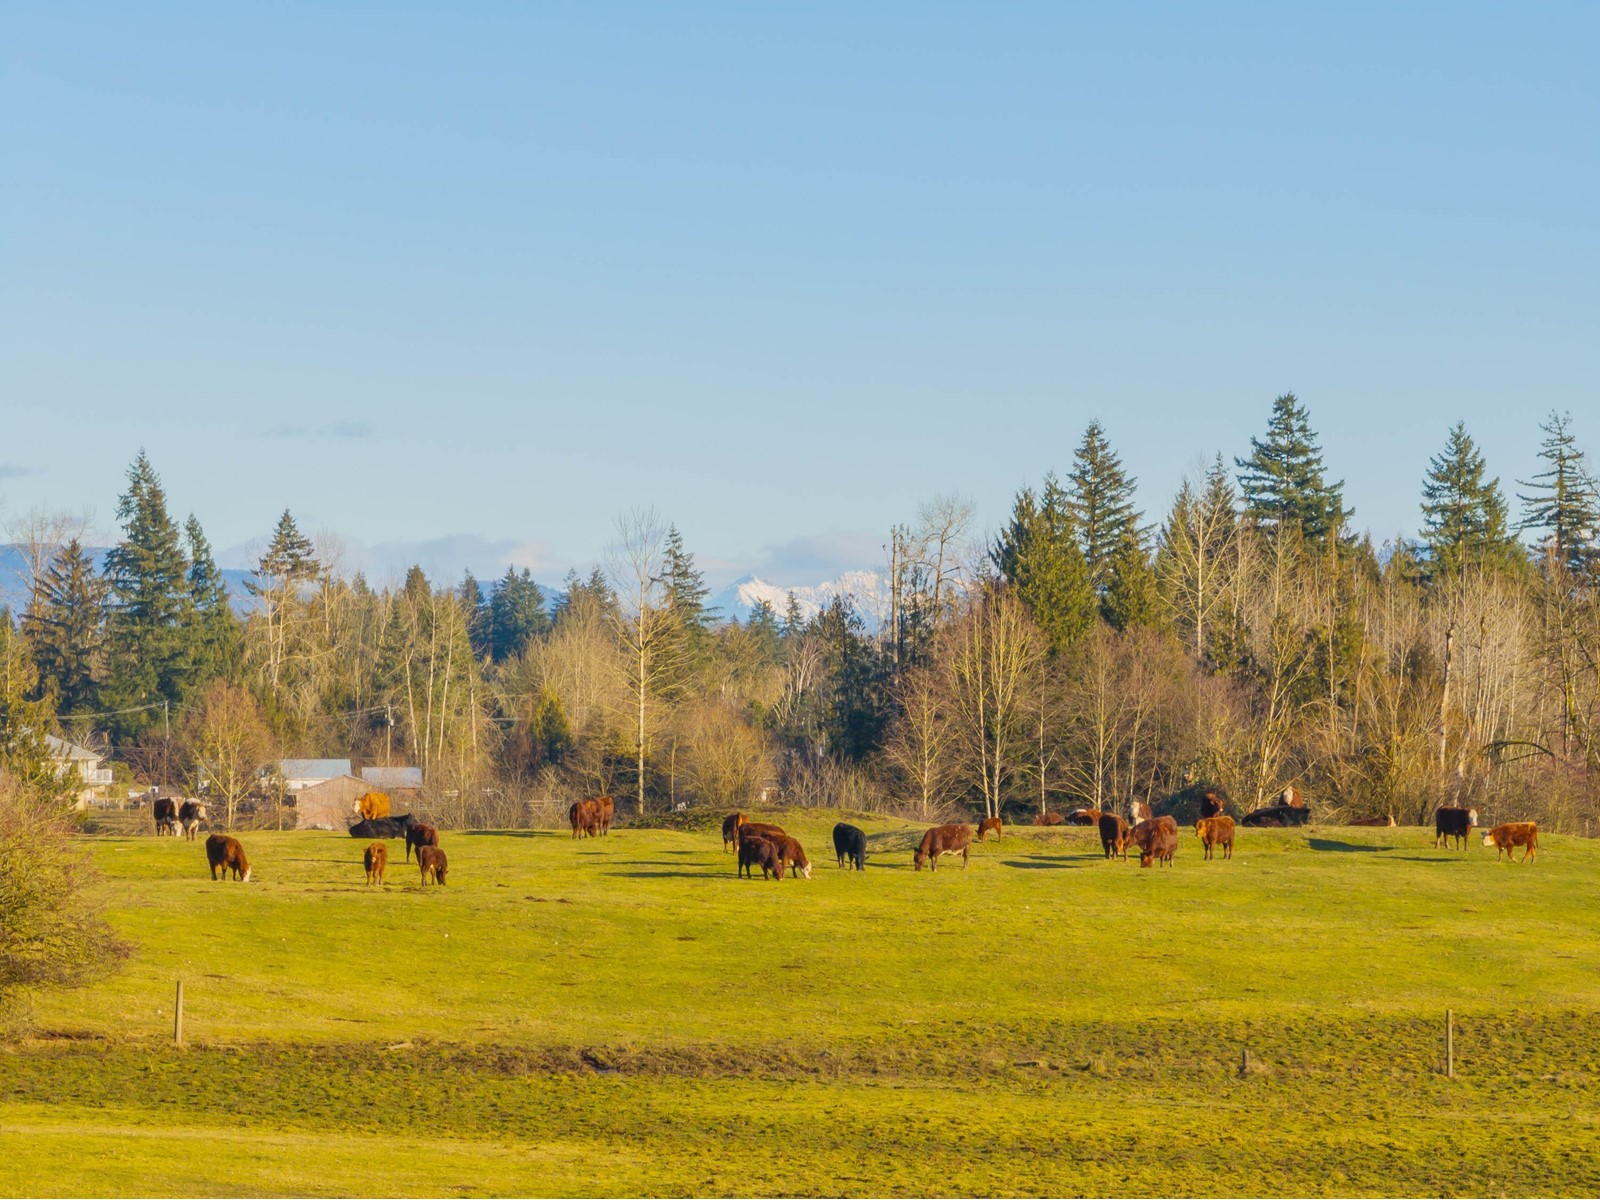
<point>471,280</point>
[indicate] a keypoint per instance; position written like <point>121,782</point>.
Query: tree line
<point>1085,654</point>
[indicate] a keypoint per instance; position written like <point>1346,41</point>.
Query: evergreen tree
<point>766,633</point>
<point>1132,597</point>
<point>1563,503</point>
<point>1463,515</point>
<point>851,716</point>
<point>1282,479</point>
<point>1039,554</point>
<point>686,588</point>
<point>65,627</point>
<point>794,621</point>
<point>289,561</point>
<point>516,614</point>
<point>476,607</point>
<point>214,634</point>
<point>148,655</point>
<point>586,597</point>
<point>1100,501</point>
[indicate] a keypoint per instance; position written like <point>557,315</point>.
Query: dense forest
<point>1084,654</point>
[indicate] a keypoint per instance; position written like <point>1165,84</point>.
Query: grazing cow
<point>941,840</point>
<point>373,805</point>
<point>756,851</point>
<point>190,814</point>
<point>420,835</point>
<point>166,815</point>
<point>224,854</point>
<point>1084,816</point>
<point>1113,835</point>
<point>1138,811</point>
<point>1214,832</point>
<point>1048,818</point>
<point>1449,821</point>
<point>1161,846</point>
<point>850,842</point>
<point>766,831</point>
<point>990,825</point>
<point>604,809</point>
<point>433,864</point>
<point>1383,822</point>
<point>585,818</point>
<point>1510,835</point>
<point>1144,835</point>
<point>1212,805</point>
<point>382,827</point>
<point>1278,816</point>
<point>792,855</point>
<point>376,861</point>
<point>730,830</point>
<point>1292,797</point>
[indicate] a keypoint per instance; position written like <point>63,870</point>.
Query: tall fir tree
<point>1283,482</point>
<point>149,658</point>
<point>1039,554</point>
<point>214,634</point>
<point>686,587</point>
<point>476,606</point>
<point>1100,500</point>
<point>517,614</point>
<point>65,628</point>
<point>1563,503</point>
<point>1132,598</point>
<point>1463,513</point>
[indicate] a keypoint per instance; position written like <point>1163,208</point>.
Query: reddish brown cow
<point>1163,844</point>
<point>418,835</point>
<point>433,864</point>
<point>1113,835</point>
<point>1212,805</point>
<point>730,830</point>
<point>225,854</point>
<point>1292,797</point>
<point>757,851</point>
<point>941,840</point>
<point>766,831</point>
<point>1214,832</point>
<point>1383,822</point>
<point>1048,818</point>
<point>1145,833</point>
<point>792,855</point>
<point>1505,838</point>
<point>585,818</point>
<point>1084,816</point>
<point>376,860</point>
<point>605,808</point>
<point>990,825</point>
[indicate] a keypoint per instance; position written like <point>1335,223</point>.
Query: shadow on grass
<point>515,833</point>
<point>1422,858</point>
<point>1043,864</point>
<point>1344,847</point>
<point>668,875</point>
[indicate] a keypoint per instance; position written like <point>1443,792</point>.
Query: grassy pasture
<point>623,1015</point>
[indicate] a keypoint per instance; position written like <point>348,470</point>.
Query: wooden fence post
<point>177,1016</point>
<point>1449,1044</point>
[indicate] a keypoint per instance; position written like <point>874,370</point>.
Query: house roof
<point>61,748</point>
<point>393,777</point>
<point>313,768</point>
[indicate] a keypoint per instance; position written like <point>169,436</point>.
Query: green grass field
<point>624,1016</point>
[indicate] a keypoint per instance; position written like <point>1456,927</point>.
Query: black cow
<point>381,827</point>
<point>190,814</point>
<point>1279,816</point>
<point>166,815</point>
<point>850,842</point>
<point>1450,821</point>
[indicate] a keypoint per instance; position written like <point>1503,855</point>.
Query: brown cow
<point>1084,816</point>
<point>585,818</point>
<point>1505,838</point>
<point>373,805</point>
<point>757,851</point>
<point>730,830</point>
<point>433,864</point>
<point>418,835</point>
<point>766,831</point>
<point>166,815</point>
<point>941,840</point>
<point>1212,805</point>
<point>1145,833</point>
<point>1138,811</point>
<point>1113,835</point>
<point>1292,797</point>
<point>1163,844</point>
<point>792,855</point>
<point>1048,818</point>
<point>376,861</point>
<point>990,825</point>
<point>1380,822</point>
<point>1214,832</point>
<point>225,854</point>
<point>605,808</point>
<point>190,814</point>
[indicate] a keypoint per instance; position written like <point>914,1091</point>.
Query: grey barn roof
<point>314,768</point>
<point>393,777</point>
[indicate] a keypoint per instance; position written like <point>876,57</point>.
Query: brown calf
<point>376,860</point>
<point>1048,818</point>
<point>791,855</point>
<point>605,808</point>
<point>1383,822</point>
<point>1214,832</point>
<point>225,854</point>
<point>1505,838</point>
<point>730,830</point>
<point>418,836</point>
<point>585,818</point>
<point>433,864</point>
<point>989,825</point>
<point>756,851</point>
<point>941,840</point>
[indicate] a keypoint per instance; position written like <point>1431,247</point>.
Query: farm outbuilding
<point>402,784</point>
<point>330,804</point>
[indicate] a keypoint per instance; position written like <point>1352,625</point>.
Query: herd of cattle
<point>776,853</point>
